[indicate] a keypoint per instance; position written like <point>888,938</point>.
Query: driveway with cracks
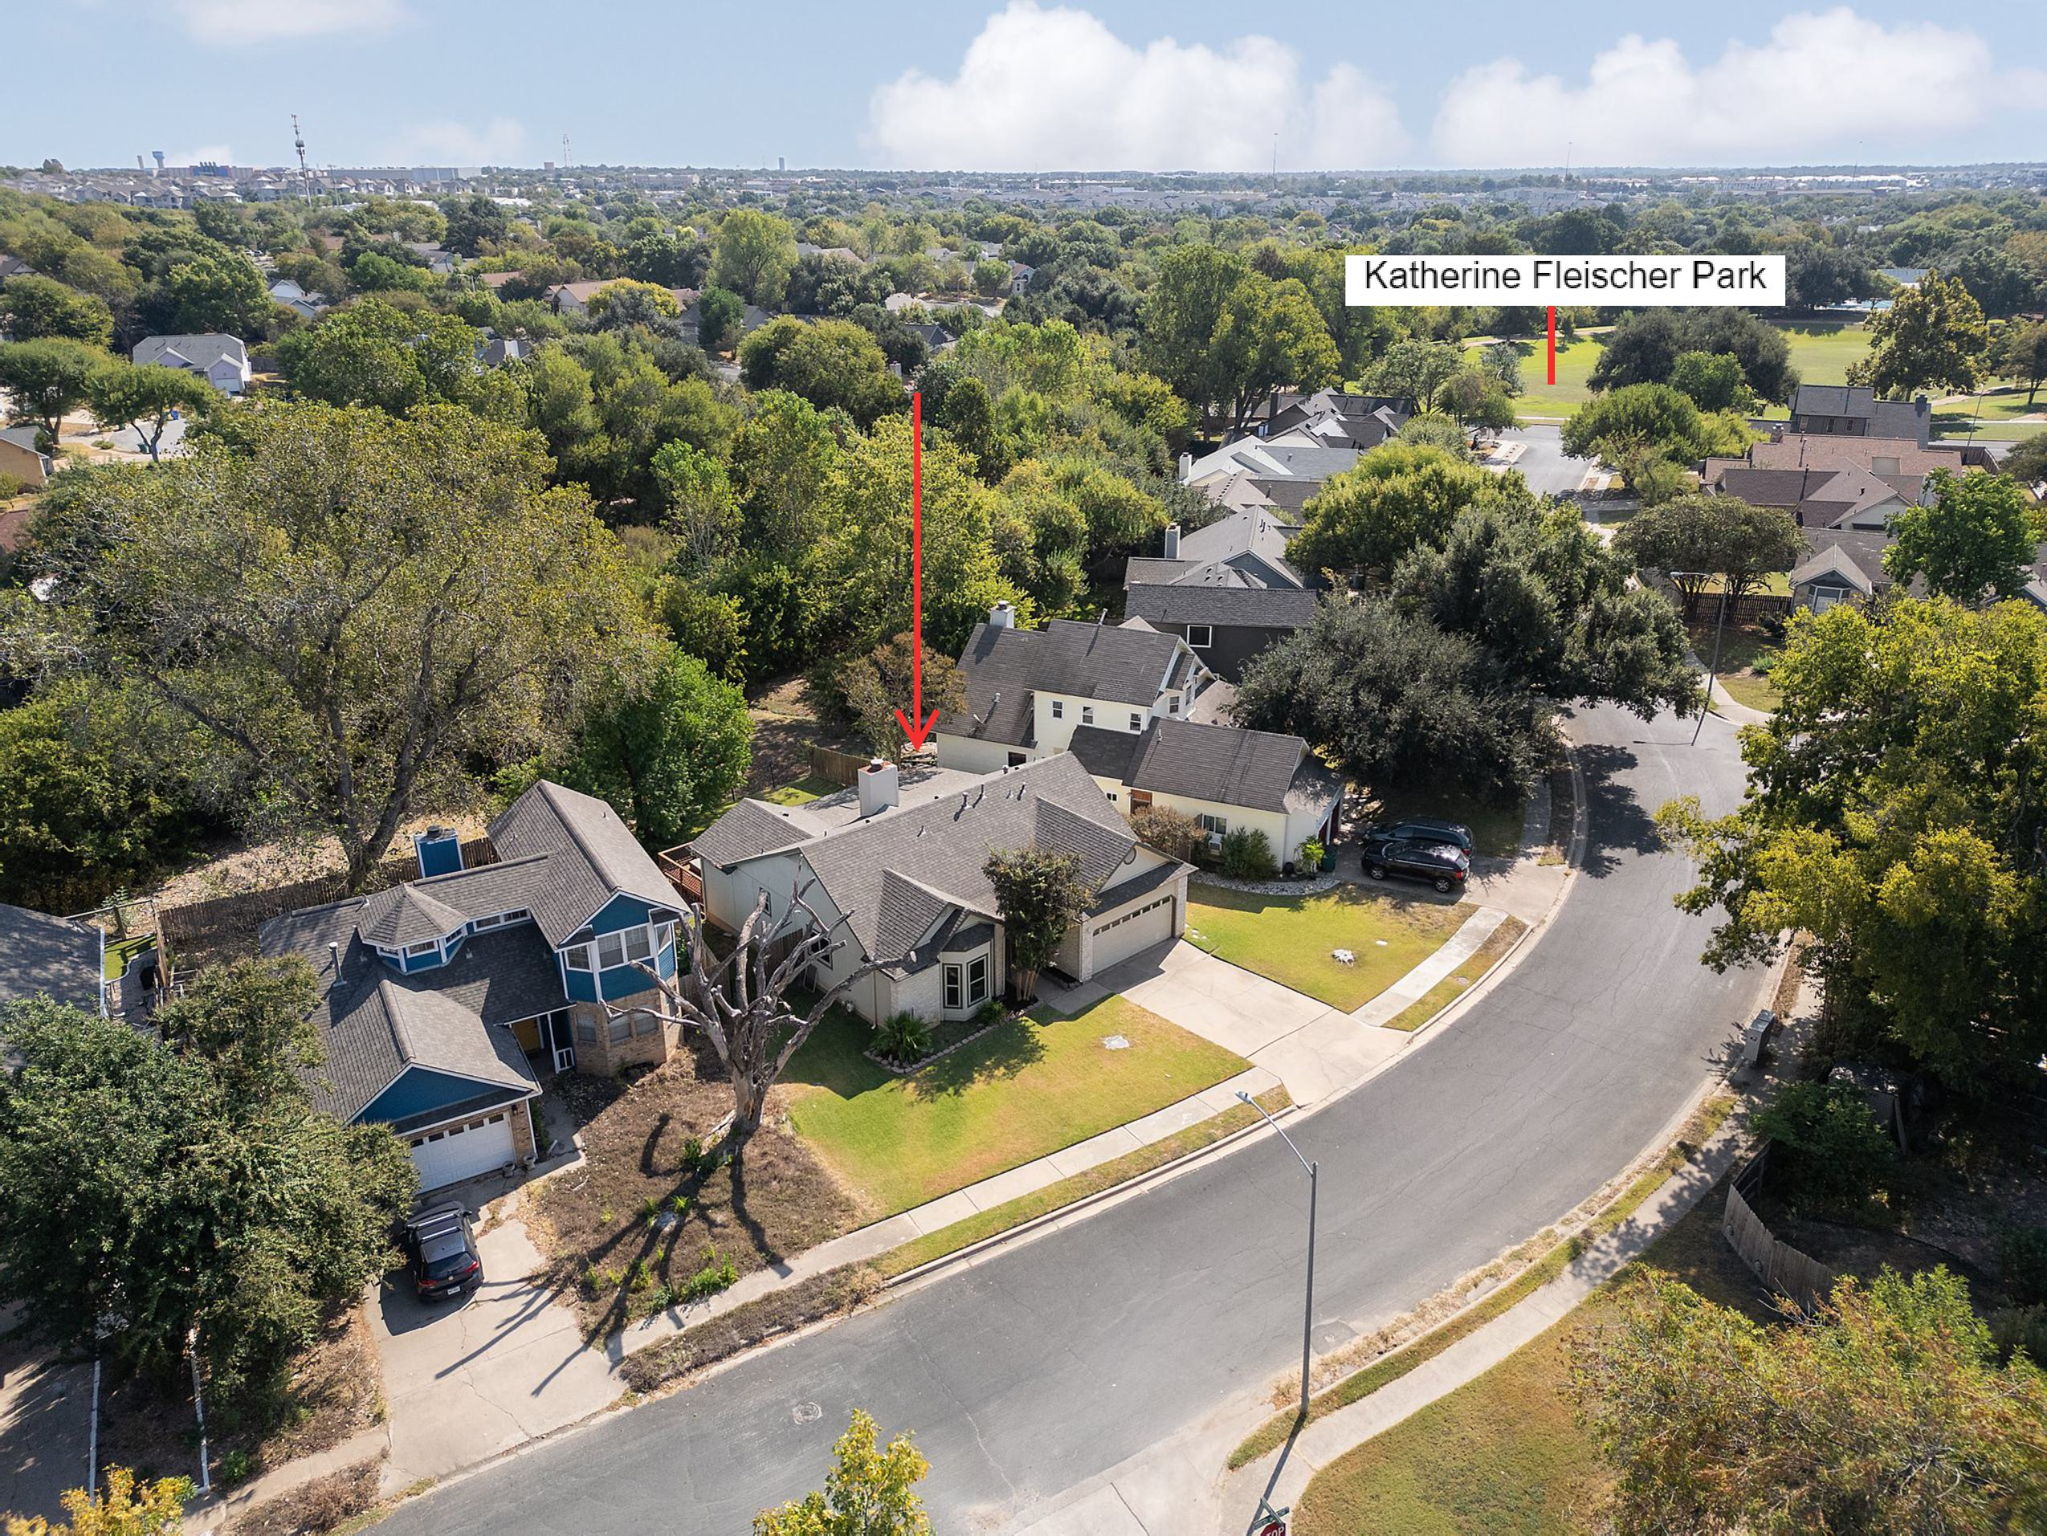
<point>466,1380</point>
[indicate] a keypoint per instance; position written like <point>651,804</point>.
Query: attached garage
<point>451,1153</point>
<point>1120,935</point>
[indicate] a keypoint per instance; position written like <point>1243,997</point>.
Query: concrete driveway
<point>466,1380</point>
<point>1316,1050</point>
<point>43,1409</point>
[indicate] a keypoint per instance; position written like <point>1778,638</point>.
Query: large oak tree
<point>357,610</point>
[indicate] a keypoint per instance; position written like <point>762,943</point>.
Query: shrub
<point>1247,855</point>
<point>650,1210</point>
<point>236,1466</point>
<point>991,1012</point>
<point>903,1038</point>
<point>2020,1328</point>
<point>1311,855</point>
<point>716,1275</point>
<point>1833,1151</point>
<point>2022,1257</point>
<point>1176,836</point>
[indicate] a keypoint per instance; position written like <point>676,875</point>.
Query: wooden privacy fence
<point>839,768</point>
<point>224,927</point>
<point>1775,1262</point>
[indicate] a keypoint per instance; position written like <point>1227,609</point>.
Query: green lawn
<point>1999,415</point>
<point>1504,1452</point>
<point>802,792</point>
<point>121,951</point>
<point>1289,938</point>
<point>1495,826</point>
<point>1746,655</point>
<point>1821,352</point>
<point>1023,1091</point>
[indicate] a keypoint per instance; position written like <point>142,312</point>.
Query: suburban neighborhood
<point>919,850</point>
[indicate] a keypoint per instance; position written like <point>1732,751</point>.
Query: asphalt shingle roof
<point>939,848</point>
<point>1003,666</point>
<point>1243,607</point>
<point>45,955</point>
<point>747,831</point>
<point>375,1023</point>
<point>591,856</point>
<point>1260,770</point>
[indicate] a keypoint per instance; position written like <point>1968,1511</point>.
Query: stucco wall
<point>971,756</point>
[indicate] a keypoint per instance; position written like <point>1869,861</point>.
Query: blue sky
<point>1027,84</point>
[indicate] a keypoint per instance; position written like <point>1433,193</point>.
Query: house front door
<point>561,1041</point>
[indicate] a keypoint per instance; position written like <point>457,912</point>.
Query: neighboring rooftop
<point>1217,763</point>
<point>1253,607</point>
<point>41,955</point>
<point>1003,666</point>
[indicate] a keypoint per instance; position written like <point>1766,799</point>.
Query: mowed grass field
<point>1821,351</point>
<point>1025,1089</point>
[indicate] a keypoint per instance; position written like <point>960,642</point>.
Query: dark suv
<point>1427,829</point>
<point>1442,864</point>
<point>440,1250</point>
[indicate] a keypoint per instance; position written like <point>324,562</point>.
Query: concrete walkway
<point>1278,1480</point>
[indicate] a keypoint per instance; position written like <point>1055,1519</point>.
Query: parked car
<point>440,1250</point>
<point>1442,865</point>
<point>1427,829</point>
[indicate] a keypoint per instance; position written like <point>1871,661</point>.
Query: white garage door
<point>463,1151</point>
<point>1143,926</point>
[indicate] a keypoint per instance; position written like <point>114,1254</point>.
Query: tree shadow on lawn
<point>1617,820</point>
<point>1003,1052</point>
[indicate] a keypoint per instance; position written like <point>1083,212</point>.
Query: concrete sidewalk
<point>1277,1480</point>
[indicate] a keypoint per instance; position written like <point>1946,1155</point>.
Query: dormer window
<point>1136,721</point>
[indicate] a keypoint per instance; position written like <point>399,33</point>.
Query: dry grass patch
<point>314,1508</point>
<point>1450,988</point>
<point>650,1207</point>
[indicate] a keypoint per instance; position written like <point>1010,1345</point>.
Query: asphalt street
<point>1544,464</point>
<point>1026,1374</point>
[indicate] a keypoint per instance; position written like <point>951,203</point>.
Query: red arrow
<point>915,726</point>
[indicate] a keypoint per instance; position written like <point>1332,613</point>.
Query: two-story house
<point>1029,690</point>
<point>443,1000</point>
<point>895,868</point>
<point>1227,626</point>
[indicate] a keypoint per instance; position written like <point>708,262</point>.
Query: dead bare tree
<point>742,1001</point>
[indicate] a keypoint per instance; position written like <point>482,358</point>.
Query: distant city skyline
<point>1131,85</point>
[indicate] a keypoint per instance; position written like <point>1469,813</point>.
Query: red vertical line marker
<point>1552,343</point>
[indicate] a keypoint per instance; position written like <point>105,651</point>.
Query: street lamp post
<point>1308,1313</point>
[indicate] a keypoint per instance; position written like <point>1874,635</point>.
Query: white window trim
<point>1058,709</point>
<point>1207,633</point>
<point>1087,714</point>
<point>1136,721</point>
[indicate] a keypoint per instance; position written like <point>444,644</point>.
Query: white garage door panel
<point>1118,938</point>
<point>456,1154</point>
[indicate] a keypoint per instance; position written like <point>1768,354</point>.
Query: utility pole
<point>1308,1314</point>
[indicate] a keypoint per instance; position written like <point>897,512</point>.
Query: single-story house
<point>55,957</point>
<point>1225,625</point>
<point>896,867</point>
<point>1853,410</point>
<point>1224,778</point>
<point>445,999</point>
<point>1844,565</point>
<point>1029,690</point>
<point>21,460</point>
<point>1824,498</point>
<point>295,298</point>
<point>219,359</point>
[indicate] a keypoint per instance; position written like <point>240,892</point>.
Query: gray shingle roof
<point>1256,769</point>
<point>591,855</point>
<point>406,914</point>
<point>1247,607</point>
<point>375,1023</point>
<point>747,831</point>
<point>940,847</point>
<point>437,906</point>
<point>202,350</point>
<point>1090,661</point>
<point>41,954</point>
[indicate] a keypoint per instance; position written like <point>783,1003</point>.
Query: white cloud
<point>1827,85</point>
<point>496,142</point>
<point>264,21</point>
<point>1052,88</point>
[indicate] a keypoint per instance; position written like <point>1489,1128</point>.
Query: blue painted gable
<point>420,1090</point>
<point>623,912</point>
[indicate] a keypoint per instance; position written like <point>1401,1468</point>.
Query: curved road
<point>1051,1362</point>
